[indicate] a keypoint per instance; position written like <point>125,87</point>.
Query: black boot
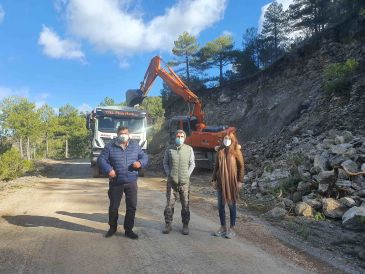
<point>185,230</point>
<point>110,232</point>
<point>131,234</point>
<point>167,228</point>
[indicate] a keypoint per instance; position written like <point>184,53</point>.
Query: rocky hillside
<point>304,146</point>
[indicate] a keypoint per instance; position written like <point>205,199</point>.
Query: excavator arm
<point>173,81</point>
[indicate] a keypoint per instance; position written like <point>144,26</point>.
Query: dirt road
<point>57,226</point>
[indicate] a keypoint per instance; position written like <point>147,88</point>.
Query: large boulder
<point>343,184</point>
<point>340,148</point>
<point>333,208</point>
<point>312,201</point>
<point>288,203</point>
<point>354,218</point>
<point>325,179</point>
<point>336,160</point>
<point>321,162</point>
<point>303,209</point>
<point>347,202</point>
<point>350,166</point>
<point>304,187</point>
<point>360,193</point>
<point>272,180</point>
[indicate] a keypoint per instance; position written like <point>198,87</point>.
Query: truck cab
<point>103,123</point>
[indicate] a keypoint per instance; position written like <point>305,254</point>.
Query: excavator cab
<point>186,123</point>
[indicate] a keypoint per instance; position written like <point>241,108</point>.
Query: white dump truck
<point>103,123</point>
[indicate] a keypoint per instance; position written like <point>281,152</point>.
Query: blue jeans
<point>222,212</point>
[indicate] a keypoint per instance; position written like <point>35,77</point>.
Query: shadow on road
<point>43,221</point>
<point>96,217</point>
<point>70,169</point>
<point>103,218</point>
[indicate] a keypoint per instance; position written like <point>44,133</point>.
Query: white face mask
<point>227,142</point>
<point>122,138</point>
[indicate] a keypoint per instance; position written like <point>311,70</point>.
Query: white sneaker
<point>230,234</point>
<point>220,232</point>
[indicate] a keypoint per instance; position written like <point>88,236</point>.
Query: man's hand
<point>214,184</point>
<point>137,165</point>
<point>239,185</point>
<point>112,174</point>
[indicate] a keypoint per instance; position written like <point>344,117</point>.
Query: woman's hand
<point>213,184</point>
<point>239,185</point>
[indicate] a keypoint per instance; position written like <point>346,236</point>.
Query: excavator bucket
<point>134,97</point>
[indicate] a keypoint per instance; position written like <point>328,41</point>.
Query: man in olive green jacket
<point>178,163</point>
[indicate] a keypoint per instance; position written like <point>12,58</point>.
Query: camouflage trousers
<point>172,194</point>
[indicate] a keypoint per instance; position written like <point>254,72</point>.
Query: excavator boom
<point>135,97</point>
<point>201,137</point>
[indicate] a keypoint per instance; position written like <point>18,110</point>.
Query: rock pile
<point>318,176</point>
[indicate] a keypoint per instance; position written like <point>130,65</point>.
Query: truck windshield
<point>111,124</point>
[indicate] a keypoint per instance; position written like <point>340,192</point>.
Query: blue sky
<point>80,51</point>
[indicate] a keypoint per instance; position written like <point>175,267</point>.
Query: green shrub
<point>319,216</point>
<point>338,76</point>
<point>12,165</point>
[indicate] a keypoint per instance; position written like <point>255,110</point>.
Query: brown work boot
<point>185,230</point>
<point>167,229</point>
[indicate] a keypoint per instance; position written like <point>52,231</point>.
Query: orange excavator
<point>201,137</point>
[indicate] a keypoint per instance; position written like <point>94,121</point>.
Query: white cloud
<point>55,47</point>
<point>285,4</point>
<point>6,92</point>
<point>84,108</point>
<point>110,24</point>
<point>2,14</point>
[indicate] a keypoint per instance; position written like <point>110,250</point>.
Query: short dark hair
<point>120,128</point>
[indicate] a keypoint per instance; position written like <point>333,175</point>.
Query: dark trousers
<point>115,194</point>
<point>222,212</point>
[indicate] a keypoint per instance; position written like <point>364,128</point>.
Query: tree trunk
<point>187,66</point>
<point>66,150</point>
<point>34,152</point>
<point>276,41</point>
<point>221,71</point>
<point>47,152</point>
<point>28,148</point>
<point>21,147</point>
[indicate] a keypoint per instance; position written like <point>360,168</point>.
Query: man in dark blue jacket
<point>121,160</point>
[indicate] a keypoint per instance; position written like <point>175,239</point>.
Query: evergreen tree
<point>107,101</point>
<point>19,117</point>
<point>217,53</point>
<point>275,27</point>
<point>49,123</point>
<point>310,16</point>
<point>185,47</point>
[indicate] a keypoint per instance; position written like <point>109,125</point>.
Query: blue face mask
<point>179,141</point>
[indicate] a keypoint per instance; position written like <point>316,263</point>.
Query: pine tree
<point>185,47</point>
<point>310,16</point>
<point>107,101</point>
<point>217,53</point>
<point>275,27</point>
